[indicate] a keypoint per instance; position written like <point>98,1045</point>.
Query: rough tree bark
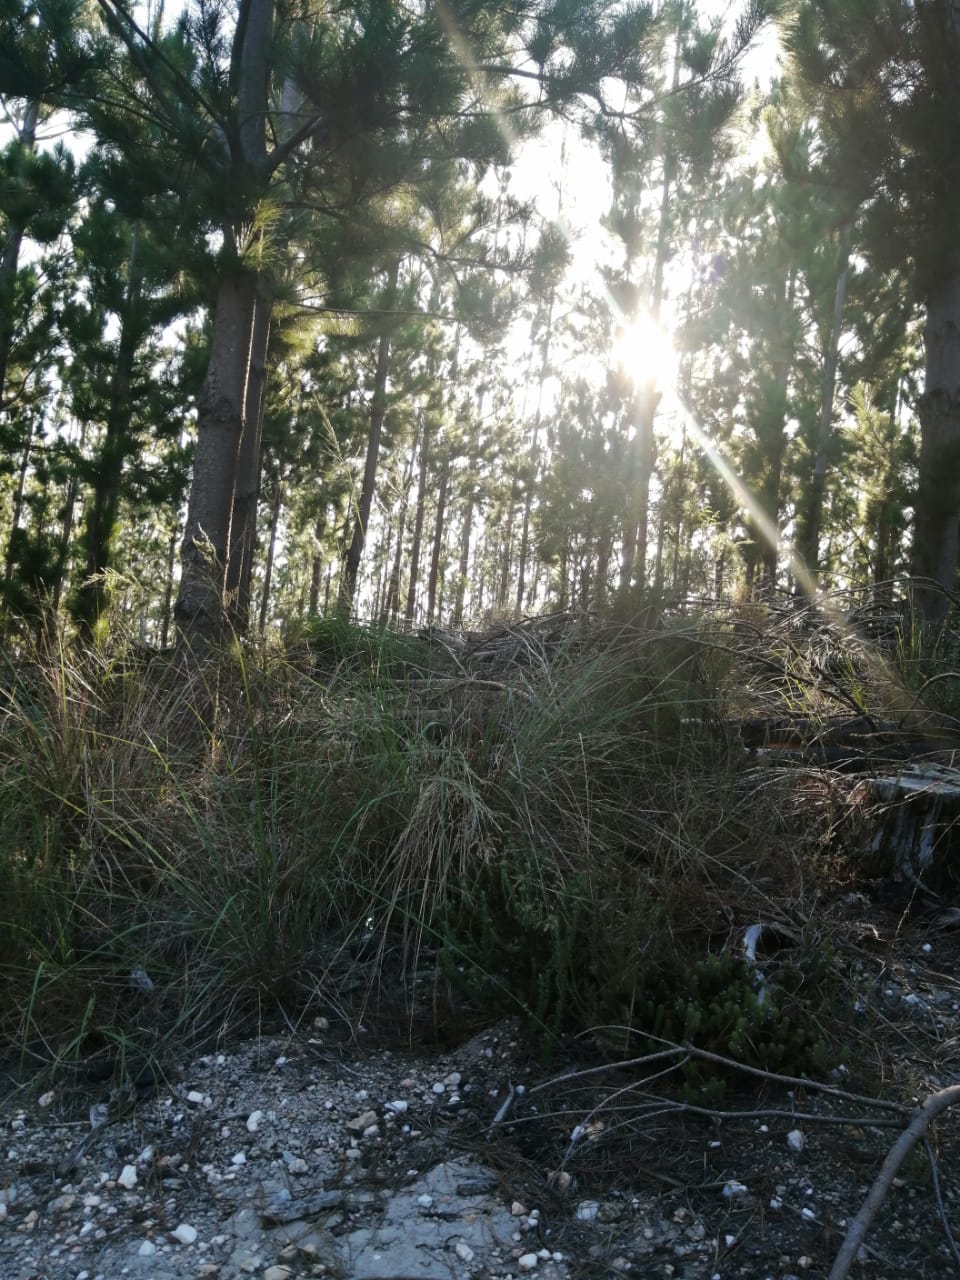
<point>200,610</point>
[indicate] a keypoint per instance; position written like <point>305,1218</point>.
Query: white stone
<point>809,1214</point>
<point>528,1261</point>
<point>733,1190</point>
<point>438,1088</point>
<point>254,1120</point>
<point>45,1099</point>
<point>464,1252</point>
<point>453,1079</point>
<point>425,1201</point>
<point>147,1249</point>
<point>519,1210</point>
<point>587,1210</point>
<point>195,1097</point>
<point>398,1107</point>
<point>795,1140</point>
<point>128,1177</point>
<point>239,1159</point>
<point>185,1233</point>
<point>295,1164</point>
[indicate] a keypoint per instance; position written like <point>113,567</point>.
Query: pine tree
<point>884,79</point>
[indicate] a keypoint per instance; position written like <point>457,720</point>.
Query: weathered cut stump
<point>911,821</point>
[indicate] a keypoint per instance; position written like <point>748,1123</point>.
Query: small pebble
<point>795,1140</point>
<point>254,1120</point>
<point>587,1210</point>
<point>464,1252</point>
<point>128,1177</point>
<point>185,1233</point>
<point>147,1249</point>
<point>528,1261</point>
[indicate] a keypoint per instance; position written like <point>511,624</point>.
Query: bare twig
<point>938,1196</point>
<point>914,1132</point>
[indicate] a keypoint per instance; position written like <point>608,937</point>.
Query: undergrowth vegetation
<point>556,819</point>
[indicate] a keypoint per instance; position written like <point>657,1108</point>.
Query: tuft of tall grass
<point>566,834</point>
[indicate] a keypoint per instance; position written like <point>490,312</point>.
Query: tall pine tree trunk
<point>417,543</point>
<point>533,480</point>
<point>316,564</point>
<point>391,607</point>
<point>275,509</point>
<point>243,519</point>
<point>18,501</point>
<point>938,493</point>
<point>10,259</point>
<point>201,609</point>
<point>808,533</point>
<point>378,411</point>
<point>103,507</point>
<point>463,567</point>
<point>437,549</point>
<point>771,430</point>
<point>201,605</point>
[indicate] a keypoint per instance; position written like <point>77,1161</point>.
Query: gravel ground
<point>289,1156</point>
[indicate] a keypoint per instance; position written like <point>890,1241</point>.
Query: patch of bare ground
<point>586,1169</point>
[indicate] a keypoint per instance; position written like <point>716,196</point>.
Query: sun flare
<point>644,351</point>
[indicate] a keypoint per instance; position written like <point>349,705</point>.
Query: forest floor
<point>306,1151</point>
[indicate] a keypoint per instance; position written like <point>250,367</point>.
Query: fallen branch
<point>914,1132</point>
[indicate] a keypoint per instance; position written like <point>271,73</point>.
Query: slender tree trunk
<point>773,433</point>
<point>534,456</point>
<point>275,510</point>
<point>18,499</point>
<point>604,551</point>
<point>200,611</point>
<point>243,520</point>
<point>10,258</point>
<point>166,609</point>
<point>415,548</point>
<point>391,608</point>
<point>506,555</point>
<point>69,512</point>
<point>316,564</point>
<point>463,567</point>
<point>938,492</point>
<point>378,410</point>
<point>438,532</point>
<point>634,562</point>
<point>104,504</point>
<point>808,535</point>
